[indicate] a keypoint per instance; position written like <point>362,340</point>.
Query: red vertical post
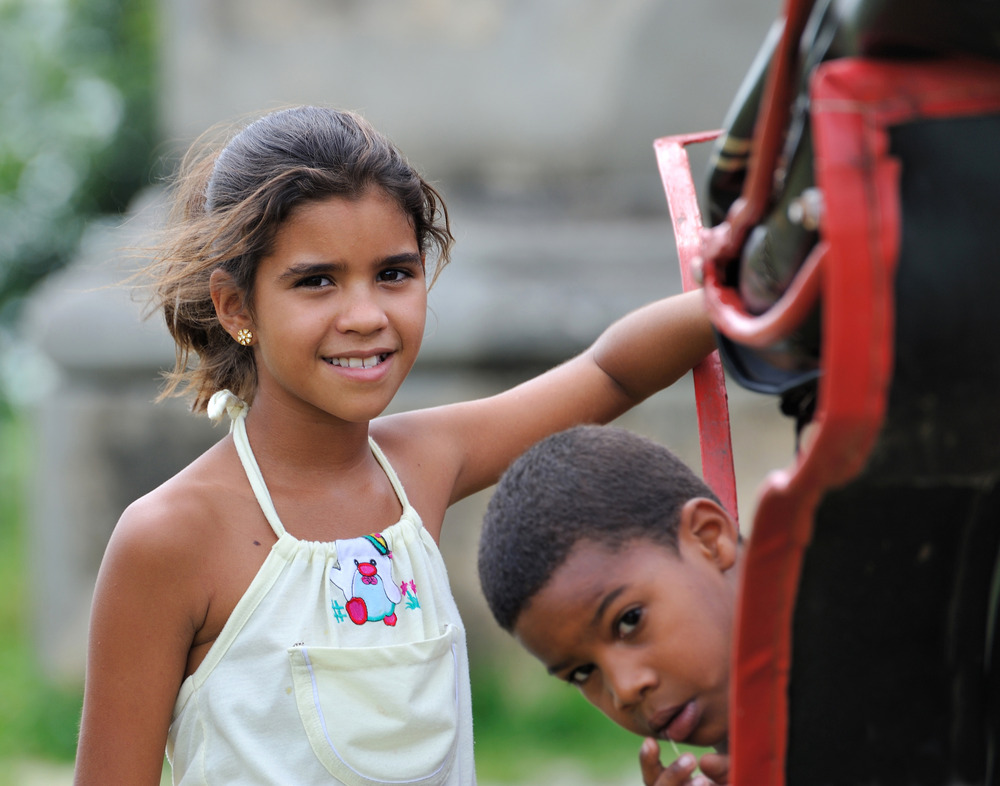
<point>709,378</point>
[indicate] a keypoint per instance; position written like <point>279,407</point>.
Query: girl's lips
<point>369,361</point>
<point>370,367</point>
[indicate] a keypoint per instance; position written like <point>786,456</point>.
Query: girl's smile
<point>363,369</point>
<point>355,362</point>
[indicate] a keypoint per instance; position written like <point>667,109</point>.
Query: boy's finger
<point>716,767</point>
<point>655,774</point>
<point>649,762</point>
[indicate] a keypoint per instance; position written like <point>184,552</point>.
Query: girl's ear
<point>706,527</point>
<point>230,303</point>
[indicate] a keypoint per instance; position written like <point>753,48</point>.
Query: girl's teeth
<point>371,362</point>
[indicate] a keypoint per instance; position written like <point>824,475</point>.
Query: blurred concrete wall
<point>510,95</point>
<point>535,118</point>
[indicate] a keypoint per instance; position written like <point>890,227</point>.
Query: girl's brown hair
<point>228,205</point>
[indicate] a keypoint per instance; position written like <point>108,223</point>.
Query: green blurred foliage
<point>531,728</point>
<point>77,127</point>
<point>38,719</point>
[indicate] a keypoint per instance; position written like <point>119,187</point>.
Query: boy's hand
<point>681,772</point>
<point>716,767</point>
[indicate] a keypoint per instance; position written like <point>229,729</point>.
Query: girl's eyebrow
<point>310,269</point>
<point>406,258</point>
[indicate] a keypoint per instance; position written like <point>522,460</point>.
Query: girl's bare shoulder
<point>181,518</point>
<point>421,450</point>
<point>189,549</point>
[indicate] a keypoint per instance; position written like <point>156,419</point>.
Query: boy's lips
<point>676,723</point>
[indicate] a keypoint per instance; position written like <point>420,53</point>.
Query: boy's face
<point>644,633</point>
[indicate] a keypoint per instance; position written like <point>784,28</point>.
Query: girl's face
<point>644,634</point>
<point>339,306</point>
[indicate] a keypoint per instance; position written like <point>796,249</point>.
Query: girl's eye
<point>629,621</point>
<point>393,274</point>
<point>315,282</point>
<point>579,675</point>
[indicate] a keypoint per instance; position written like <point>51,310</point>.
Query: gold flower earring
<point>244,337</point>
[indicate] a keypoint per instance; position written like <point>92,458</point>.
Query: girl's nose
<point>361,312</point>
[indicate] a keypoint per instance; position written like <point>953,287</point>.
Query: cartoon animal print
<point>364,575</point>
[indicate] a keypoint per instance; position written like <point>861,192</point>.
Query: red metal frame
<point>854,102</point>
<point>709,378</point>
<point>732,319</point>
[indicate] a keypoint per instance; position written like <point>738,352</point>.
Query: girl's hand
<point>681,772</point>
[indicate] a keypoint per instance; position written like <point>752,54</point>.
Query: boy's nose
<point>627,682</point>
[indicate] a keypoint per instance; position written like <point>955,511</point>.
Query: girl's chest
<point>243,539</point>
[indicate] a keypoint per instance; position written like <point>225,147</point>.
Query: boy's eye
<point>579,675</point>
<point>629,621</point>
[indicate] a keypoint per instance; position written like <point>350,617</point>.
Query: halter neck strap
<point>224,402</point>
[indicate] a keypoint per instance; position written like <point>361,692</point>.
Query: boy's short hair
<point>597,483</point>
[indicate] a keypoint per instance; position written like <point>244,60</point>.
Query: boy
<point>610,561</point>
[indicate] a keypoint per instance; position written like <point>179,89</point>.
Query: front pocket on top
<point>381,715</point>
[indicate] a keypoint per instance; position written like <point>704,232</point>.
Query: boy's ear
<point>230,304</point>
<point>706,526</point>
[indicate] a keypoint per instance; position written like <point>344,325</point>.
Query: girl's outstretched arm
<point>653,347</point>
<point>470,444</point>
<point>140,635</point>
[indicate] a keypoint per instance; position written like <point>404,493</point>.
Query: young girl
<point>278,612</point>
